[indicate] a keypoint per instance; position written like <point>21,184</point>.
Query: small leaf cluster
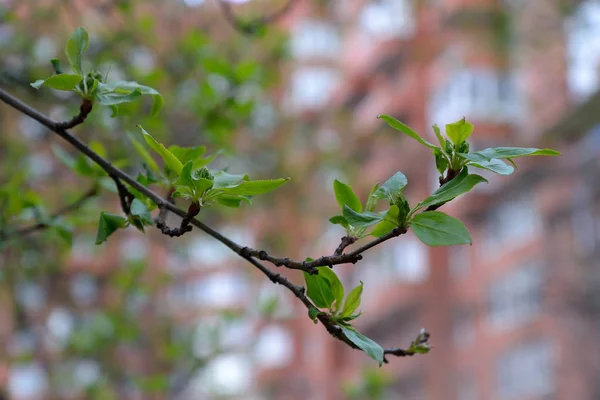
<point>452,154</point>
<point>91,85</point>
<point>185,170</point>
<point>186,175</point>
<point>356,220</point>
<point>327,292</point>
<point>453,159</point>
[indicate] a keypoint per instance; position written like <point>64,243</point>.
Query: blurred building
<point>515,316</point>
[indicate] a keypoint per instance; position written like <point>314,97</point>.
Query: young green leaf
<point>233,201</point>
<point>407,130</point>
<point>352,301</point>
<point>495,165</point>
<point>463,183</point>
<point>459,131</point>
<point>252,188</point>
<point>435,228</point>
<point>318,289</point>
<point>339,220</point>
<point>141,150</point>
<point>508,153</point>
<point>392,187</point>
<point>337,289</point>
<point>139,209</point>
<point>313,313</point>
<point>345,195</point>
<point>76,45</point>
<point>170,160</point>
<point>59,82</point>
<point>374,350</point>
<point>361,220</point>
<point>440,138</point>
<point>390,222</point>
<point>372,200</point>
<point>108,224</point>
<point>113,98</point>
<point>185,154</point>
<point>224,179</point>
<point>126,88</point>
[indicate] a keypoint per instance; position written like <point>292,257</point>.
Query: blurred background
<point>514,316</point>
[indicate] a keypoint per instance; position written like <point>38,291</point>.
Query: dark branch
<point>124,195</point>
<point>251,27</point>
<point>310,266</point>
<point>345,242</point>
<point>244,252</point>
<point>184,227</point>
<point>84,110</point>
<point>92,192</point>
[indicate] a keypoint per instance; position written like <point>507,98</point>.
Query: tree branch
<point>92,192</point>
<point>244,252</point>
<point>336,259</point>
<point>250,27</point>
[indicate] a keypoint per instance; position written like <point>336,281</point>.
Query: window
<point>515,297</point>
<point>410,260</point>
<point>312,86</point>
<point>583,47</point>
<point>526,371</point>
<point>477,93</point>
<point>512,222</point>
<point>386,19</point>
<point>312,38</point>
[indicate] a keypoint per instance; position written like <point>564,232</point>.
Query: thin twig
<point>244,252</point>
<point>251,27</point>
<point>84,110</point>
<point>93,191</point>
<point>125,195</point>
<point>310,266</point>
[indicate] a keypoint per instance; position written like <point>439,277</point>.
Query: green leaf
<point>170,160</point>
<point>361,220</point>
<point>507,152</point>
<point>224,179</point>
<point>252,188</point>
<point>440,138</point>
<point>461,184</point>
<point>233,201</point>
<point>392,188</point>
<point>143,153</point>
<point>56,66</point>
<point>64,231</point>
<point>459,131</point>
<point>435,228</point>
<point>345,195</point>
<point>390,222</point>
<point>187,178</point>
<point>495,165</point>
<point>374,350</point>
<point>185,154</point>
<point>407,130</point>
<point>339,220</point>
<point>337,289</point>
<point>372,200</point>
<point>313,313</point>
<point>108,224</point>
<point>129,87</point>
<point>139,209</point>
<point>352,301</point>
<point>76,45</point>
<point>59,82</point>
<point>111,99</point>
<point>318,289</point>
